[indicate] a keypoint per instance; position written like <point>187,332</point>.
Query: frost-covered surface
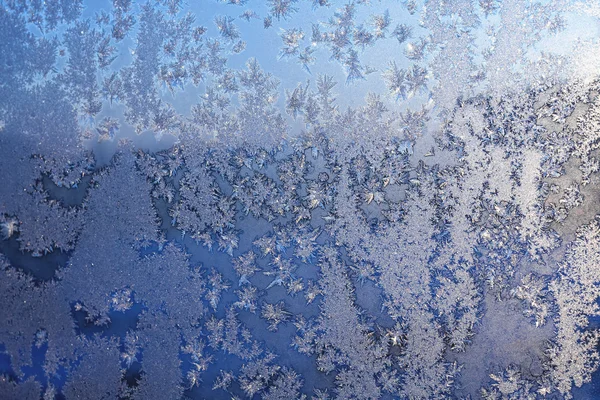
<point>296,199</point>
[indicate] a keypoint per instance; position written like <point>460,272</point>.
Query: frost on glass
<point>299,199</point>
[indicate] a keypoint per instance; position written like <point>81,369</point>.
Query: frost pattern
<point>285,239</point>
